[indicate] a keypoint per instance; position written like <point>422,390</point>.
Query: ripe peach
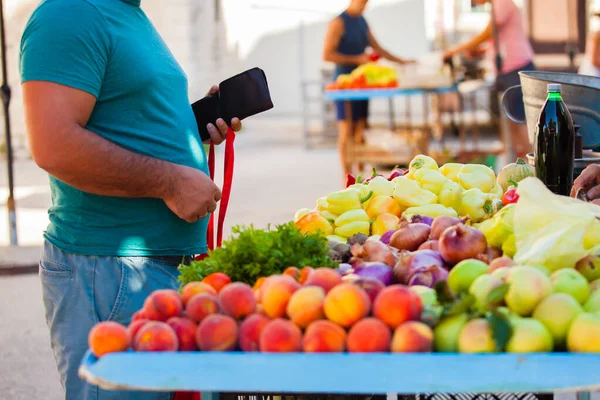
<point>185,330</point>
<point>237,300</point>
<point>276,293</point>
<point>258,284</point>
<point>324,337</point>
<point>134,327</point>
<point>250,331</point>
<point>293,272</point>
<point>346,304</point>
<point>304,274</point>
<point>217,280</point>
<point>281,336</point>
<point>194,288</point>
<point>156,336</point>
<point>163,304</point>
<point>397,304</point>
<point>412,337</point>
<point>140,314</point>
<point>326,278</point>
<point>217,333</point>
<point>369,335</point>
<point>306,305</point>
<point>108,337</point>
<point>201,306</point>
<point>372,286</point>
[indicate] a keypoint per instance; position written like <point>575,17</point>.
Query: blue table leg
<point>210,395</point>
<point>583,396</point>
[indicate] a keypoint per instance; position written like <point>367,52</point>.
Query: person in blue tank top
<point>347,39</point>
<point>109,118</point>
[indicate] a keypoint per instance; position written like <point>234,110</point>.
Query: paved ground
<point>274,177</point>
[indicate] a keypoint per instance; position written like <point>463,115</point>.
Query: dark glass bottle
<point>554,144</point>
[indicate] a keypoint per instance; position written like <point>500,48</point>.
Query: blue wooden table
<point>366,94</point>
<point>211,373</point>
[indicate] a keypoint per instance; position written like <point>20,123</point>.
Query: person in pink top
<point>516,51</point>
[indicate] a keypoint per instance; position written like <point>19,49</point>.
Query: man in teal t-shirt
<point>109,118</point>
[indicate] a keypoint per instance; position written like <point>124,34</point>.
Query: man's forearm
<point>96,165</point>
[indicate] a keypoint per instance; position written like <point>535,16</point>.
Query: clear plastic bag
<point>553,231</point>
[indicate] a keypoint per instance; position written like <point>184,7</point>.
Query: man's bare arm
<point>335,31</point>
<point>55,116</point>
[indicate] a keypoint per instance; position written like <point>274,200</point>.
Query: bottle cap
<point>554,87</point>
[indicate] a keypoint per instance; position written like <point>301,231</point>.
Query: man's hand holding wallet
<point>236,98</point>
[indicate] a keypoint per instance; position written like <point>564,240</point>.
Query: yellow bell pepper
<point>451,170</point>
<point>313,222</point>
<point>384,223</point>
<point>422,162</point>
<point>382,205</point>
<point>344,200</point>
<point>322,204</point>
<point>509,248</point>
<point>409,194</point>
<point>497,191</point>
<point>352,222</point>
<point>431,180</point>
<point>451,195</point>
<point>301,213</point>
<point>336,238</point>
<point>431,210</point>
<point>499,228</point>
<point>329,216</point>
<point>381,187</point>
<point>477,176</point>
<point>476,205</point>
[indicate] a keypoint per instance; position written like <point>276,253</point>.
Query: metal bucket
<point>522,103</point>
<point>589,158</point>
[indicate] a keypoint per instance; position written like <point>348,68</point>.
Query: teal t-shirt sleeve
<point>66,43</point>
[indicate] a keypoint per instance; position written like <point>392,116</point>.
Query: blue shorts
<point>80,291</point>
<point>360,110</point>
<point>512,78</point>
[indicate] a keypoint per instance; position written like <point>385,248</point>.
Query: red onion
<point>490,254</point>
<point>430,245</point>
<point>377,270</point>
<point>345,269</point>
<point>410,262</point>
<point>410,236</point>
<point>461,242</point>
<point>377,251</point>
<point>421,219</point>
<point>402,267</point>
<point>428,276</point>
<point>385,238</point>
<point>441,223</point>
<point>370,285</point>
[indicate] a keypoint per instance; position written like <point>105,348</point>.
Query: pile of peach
<point>302,310</point>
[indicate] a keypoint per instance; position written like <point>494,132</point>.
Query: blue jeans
<point>79,291</point>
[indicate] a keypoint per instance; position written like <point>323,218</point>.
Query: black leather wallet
<point>240,96</point>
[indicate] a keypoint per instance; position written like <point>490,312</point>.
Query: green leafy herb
<point>501,328</point>
<point>253,253</point>
<point>443,292</point>
<point>464,304</point>
<point>497,294</point>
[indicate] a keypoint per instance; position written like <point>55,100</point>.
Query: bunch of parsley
<point>253,253</point>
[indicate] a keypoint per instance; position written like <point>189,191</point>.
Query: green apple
<point>529,336</point>
<point>528,287</point>
<point>541,268</point>
<point>446,333</point>
<point>464,274</point>
<point>589,267</point>
<point>501,273</point>
<point>570,282</point>
<point>594,286</point>
<point>477,337</point>
<point>481,288</point>
<point>584,333</point>
<point>508,314</point>
<point>428,295</point>
<point>557,312</point>
<point>593,303</point>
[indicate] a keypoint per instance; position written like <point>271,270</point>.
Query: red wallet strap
<point>226,191</point>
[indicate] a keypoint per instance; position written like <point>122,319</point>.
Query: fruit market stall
<point>435,279</point>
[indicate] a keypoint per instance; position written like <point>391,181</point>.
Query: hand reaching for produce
<point>219,133</point>
<point>191,194</point>
<point>589,180</point>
